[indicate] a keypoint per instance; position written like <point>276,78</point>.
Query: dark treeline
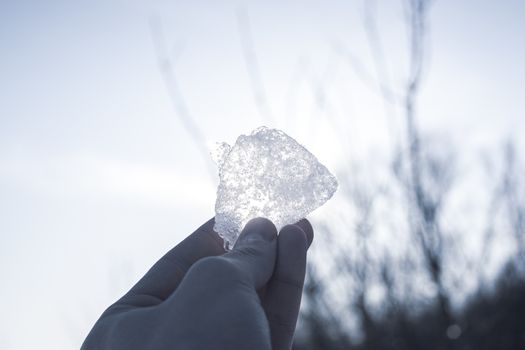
<point>488,320</point>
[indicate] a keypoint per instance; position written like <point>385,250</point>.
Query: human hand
<point>199,297</point>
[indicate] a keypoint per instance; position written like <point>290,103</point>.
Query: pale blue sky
<point>97,176</point>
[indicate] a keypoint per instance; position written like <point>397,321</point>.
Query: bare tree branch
<point>180,106</point>
<point>380,63</point>
<point>252,64</point>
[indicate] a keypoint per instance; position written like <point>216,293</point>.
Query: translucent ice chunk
<point>219,153</point>
<point>267,174</point>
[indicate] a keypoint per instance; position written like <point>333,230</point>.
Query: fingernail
<point>261,227</point>
<point>307,228</point>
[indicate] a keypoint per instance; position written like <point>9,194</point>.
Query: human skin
<point>200,297</point>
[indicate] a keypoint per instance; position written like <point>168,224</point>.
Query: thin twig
<point>252,64</point>
<point>180,106</point>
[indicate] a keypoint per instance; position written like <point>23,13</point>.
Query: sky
<point>99,177</point>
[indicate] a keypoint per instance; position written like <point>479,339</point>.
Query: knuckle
<point>246,250</point>
<point>285,324</point>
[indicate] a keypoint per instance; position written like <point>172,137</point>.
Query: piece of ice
<point>267,174</point>
<point>219,153</point>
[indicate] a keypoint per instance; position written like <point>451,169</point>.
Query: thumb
<point>255,251</point>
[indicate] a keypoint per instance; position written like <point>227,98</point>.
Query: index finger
<point>167,273</point>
